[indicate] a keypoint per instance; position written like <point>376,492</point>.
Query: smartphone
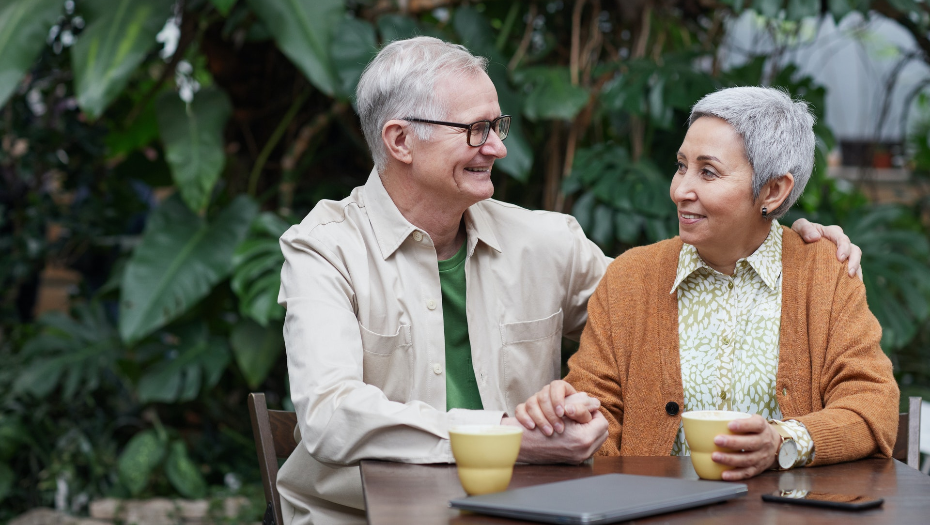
<point>823,499</point>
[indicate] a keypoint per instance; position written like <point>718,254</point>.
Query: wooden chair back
<point>907,445</point>
<point>274,438</point>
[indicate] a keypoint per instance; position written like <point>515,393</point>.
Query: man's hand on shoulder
<point>576,443</point>
<point>845,249</point>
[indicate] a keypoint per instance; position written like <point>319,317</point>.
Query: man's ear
<point>776,191</point>
<point>398,140</point>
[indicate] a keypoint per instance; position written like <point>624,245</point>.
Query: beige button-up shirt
<point>364,330</point>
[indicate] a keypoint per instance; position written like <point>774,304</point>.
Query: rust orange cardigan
<point>832,374</point>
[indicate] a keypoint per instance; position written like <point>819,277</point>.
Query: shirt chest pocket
<point>387,361</point>
<point>530,356</point>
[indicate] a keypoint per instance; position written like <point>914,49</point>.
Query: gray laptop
<point>601,499</point>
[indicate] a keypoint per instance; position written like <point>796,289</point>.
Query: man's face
<point>446,166</point>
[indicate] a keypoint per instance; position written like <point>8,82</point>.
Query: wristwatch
<point>787,454</point>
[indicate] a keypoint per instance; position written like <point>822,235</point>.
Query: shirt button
<point>417,236</point>
<point>437,368</point>
<point>723,396</point>
<point>729,285</point>
<point>431,304</point>
<point>726,341</point>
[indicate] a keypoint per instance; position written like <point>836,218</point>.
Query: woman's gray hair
<point>778,134</point>
<point>400,83</point>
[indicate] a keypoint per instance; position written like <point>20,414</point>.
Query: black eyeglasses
<point>477,131</point>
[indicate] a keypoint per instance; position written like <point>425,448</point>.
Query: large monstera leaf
<point>303,30</point>
<point>24,26</point>
<point>180,259</point>
<point>193,137</point>
<point>195,363</point>
<point>257,270</point>
<point>118,35</point>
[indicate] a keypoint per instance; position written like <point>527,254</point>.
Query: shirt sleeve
<point>341,418</point>
<point>802,439</point>
<point>588,265</point>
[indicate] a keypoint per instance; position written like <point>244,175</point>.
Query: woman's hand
<point>546,408</point>
<point>753,450</point>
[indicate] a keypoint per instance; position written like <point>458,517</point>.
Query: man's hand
<point>845,249</point>
<point>545,409</point>
<point>578,441</point>
<point>753,450</point>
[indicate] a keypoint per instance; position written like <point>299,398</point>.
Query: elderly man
<point>418,302</point>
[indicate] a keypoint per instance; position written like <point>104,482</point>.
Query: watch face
<point>787,454</point>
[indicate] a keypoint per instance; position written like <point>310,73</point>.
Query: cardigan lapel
<point>666,335</point>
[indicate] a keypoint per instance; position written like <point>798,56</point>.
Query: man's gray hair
<point>778,134</point>
<point>400,82</point>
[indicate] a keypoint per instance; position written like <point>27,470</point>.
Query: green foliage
<point>119,33</point>
<point>257,270</point>
<point>193,362</point>
<point>74,353</point>
<point>180,259</point>
<point>183,473</point>
<point>353,47</point>
<point>6,480</point>
<point>303,30</point>
<point>24,25</point>
<point>895,256</point>
<point>223,6</point>
<point>550,93</point>
<point>142,455</point>
<point>193,137</point>
<point>624,200</point>
<point>256,348</point>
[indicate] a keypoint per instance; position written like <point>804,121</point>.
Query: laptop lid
<point>601,499</point>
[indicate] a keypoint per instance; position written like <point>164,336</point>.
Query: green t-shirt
<point>461,385</point>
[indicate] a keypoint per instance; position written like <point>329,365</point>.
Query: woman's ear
<point>776,191</point>
<point>398,141</point>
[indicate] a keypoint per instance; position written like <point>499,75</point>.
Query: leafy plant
<point>180,259</point>
<point>76,353</point>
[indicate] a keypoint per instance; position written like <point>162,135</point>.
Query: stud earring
<point>765,212</point>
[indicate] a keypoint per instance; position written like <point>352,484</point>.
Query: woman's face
<point>712,189</point>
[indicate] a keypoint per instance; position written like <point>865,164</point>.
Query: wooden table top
<point>398,493</point>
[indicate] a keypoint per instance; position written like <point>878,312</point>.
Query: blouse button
<point>730,285</point>
<point>417,236</point>
<point>723,396</point>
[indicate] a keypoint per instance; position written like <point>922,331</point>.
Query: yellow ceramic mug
<point>484,455</point>
<point>701,427</point>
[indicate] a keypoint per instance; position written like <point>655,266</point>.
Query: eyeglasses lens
<point>503,127</point>
<point>479,133</point>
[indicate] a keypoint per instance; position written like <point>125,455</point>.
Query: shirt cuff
<point>802,438</point>
<point>461,416</point>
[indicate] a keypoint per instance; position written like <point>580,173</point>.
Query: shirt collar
<point>766,260</point>
<point>392,228</point>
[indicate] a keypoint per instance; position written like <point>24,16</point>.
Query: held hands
<point>560,424</point>
<point>547,407</point>
<point>576,443</point>
<point>845,249</point>
<point>753,450</point>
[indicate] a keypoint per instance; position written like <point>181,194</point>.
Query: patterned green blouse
<point>728,335</point>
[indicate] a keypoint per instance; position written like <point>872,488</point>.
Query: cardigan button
<point>671,408</point>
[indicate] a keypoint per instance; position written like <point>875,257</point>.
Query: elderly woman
<point>737,313</point>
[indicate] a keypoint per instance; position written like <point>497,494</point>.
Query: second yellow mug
<point>701,427</point>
